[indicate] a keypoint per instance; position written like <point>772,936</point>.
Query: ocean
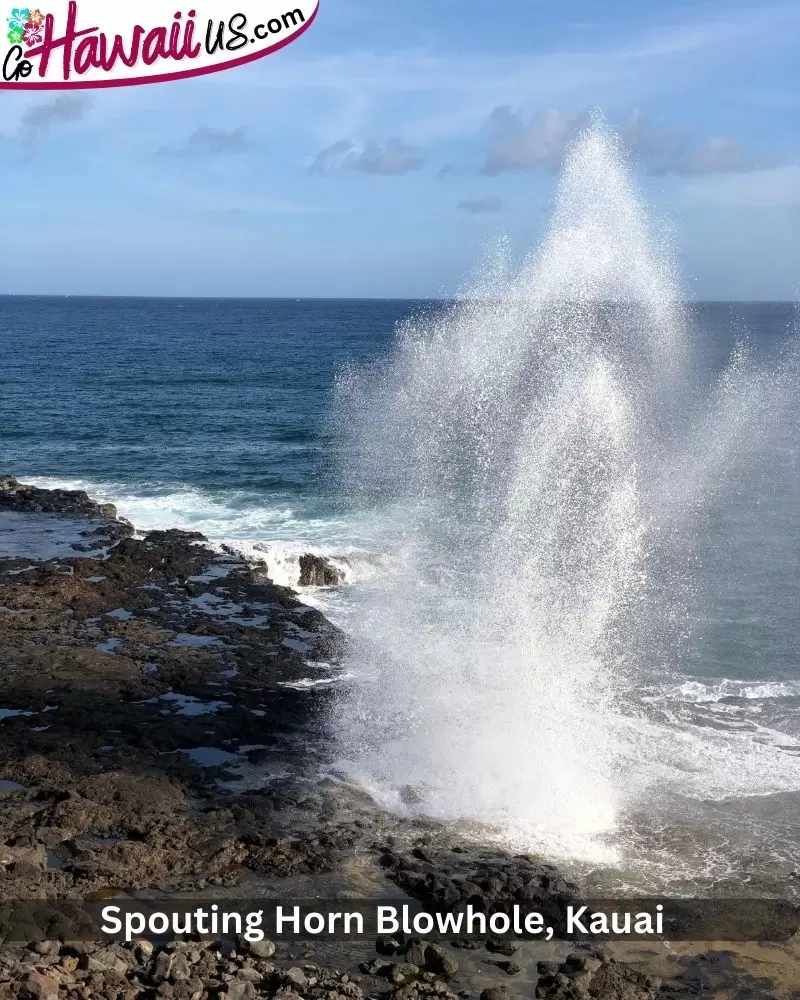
<point>215,415</point>
<point>208,415</point>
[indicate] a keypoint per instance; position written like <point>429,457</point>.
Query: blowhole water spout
<point>525,440</point>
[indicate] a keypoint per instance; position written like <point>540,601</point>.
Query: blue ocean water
<point>207,414</point>
<point>213,415</point>
<point>218,394</point>
<point>221,395</point>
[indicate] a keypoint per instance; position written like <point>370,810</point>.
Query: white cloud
<point>543,141</point>
<point>391,160</point>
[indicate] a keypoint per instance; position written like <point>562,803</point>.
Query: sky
<point>382,151</point>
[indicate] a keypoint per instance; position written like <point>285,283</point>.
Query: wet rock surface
<point>317,571</point>
<point>132,685</point>
<point>17,496</point>
<point>155,737</point>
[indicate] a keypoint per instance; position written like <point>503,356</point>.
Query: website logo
<point>103,43</point>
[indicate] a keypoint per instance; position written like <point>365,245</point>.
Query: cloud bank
<point>542,141</point>
<point>391,160</point>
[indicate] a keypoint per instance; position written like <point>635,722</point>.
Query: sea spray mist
<point>535,443</point>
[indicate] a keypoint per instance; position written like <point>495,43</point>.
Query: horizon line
<point>335,298</point>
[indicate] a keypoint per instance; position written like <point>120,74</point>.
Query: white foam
<point>700,692</point>
<point>310,683</point>
<point>276,533</point>
<point>713,764</point>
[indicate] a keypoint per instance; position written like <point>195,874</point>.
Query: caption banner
<point>126,919</point>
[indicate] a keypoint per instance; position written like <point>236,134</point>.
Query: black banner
<point>171,918</point>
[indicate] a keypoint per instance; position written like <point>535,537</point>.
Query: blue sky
<point>380,152</point>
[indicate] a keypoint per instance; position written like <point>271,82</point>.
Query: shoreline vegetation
<point>159,737</point>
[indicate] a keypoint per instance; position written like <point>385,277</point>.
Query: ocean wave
<point>264,531</point>
<point>282,559</point>
<point>698,692</point>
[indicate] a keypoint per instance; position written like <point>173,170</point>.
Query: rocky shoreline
<point>160,707</point>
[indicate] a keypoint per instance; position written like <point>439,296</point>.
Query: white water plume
<point>537,441</point>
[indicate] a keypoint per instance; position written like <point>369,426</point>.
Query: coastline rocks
<point>155,737</point>
<point>439,962</point>
<point>131,680</point>
<point>180,971</point>
<point>16,496</point>
<point>38,987</point>
<point>262,949</point>
<point>317,571</point>
<point>595,975</point>
<point>49,525</point>
<point>490,881</point>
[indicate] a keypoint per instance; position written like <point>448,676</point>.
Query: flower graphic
<point>33,34</point>
<point>16,35</point>
<point>19,18</point>
<point>36,18</point>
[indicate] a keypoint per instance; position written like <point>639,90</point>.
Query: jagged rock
<point>249,974</point>
<point>317,571</point>
<point>437,960</point>
<point>508,966</point>
<point>415,952</point>
<point>295,977</point>
<point>162,967</point>
<point>401,972</point>
<point>179,969</point>
<point>143,950</point>
<point>39,987</point>
<point>104,960</point>
<point>502,947</point>
<point>239,990</point>
<point>47,947</point>
<point>377,967</point>
<point>262,949</point>
<point>598,976</point>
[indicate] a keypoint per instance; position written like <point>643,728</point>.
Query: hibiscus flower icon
<point>19,19</point>
<point>33,34</point>
<point>16,35</point>
<point>35,18</point>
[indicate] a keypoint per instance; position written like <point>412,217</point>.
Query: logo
<point>104,43</point>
